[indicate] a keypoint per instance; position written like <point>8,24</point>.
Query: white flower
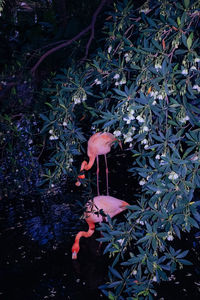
<point>144,142</point>
<point>173,176</point>
<point>71,160</point>
<point>139,222</point>
<point>53,137</point>
<point>184,72</point>
<point>128,139</point>
<point>140,119</point>
<point>197,59</point>
<point>196,87</point>
<point>64,123</point>
<point>154,102</point>
<point>131,111</point>
<point>145,128</point>
<point>144,10</point>
<point>170,236</point>
<point>154,279</point>
<point>160,97</point>
<point>77,100</point>
<point>109,49</point>
<point>183,120</point>
<point>51,131</point>
<point>120,241</point>
<point>157,156</point>
<point>195,157</point>
<point>97,81</point>
<point>127,57</point>
<point>158,192</point>
<point>116,83</point>
<point>127,120</point>
<point>146,147</point>
<point>142,182</point>
<point>127,134</point>
<point>193,68</point>
<point>116,76</point>
<point>158,67</point>
<point>117,133</point>
<point>123,81</point>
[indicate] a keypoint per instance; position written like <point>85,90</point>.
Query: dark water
<point>36,239</point>
<point>36,236</point>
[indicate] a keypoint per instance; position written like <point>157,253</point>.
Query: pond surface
<point>36,239</point>
<point>36,236</point>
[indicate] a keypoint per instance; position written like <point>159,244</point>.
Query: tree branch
<point>67,43</point>
<point>92,26</point>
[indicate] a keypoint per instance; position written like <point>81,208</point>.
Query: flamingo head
<point>75,250</point>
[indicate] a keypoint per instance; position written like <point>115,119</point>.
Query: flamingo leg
<point>97,158</point>
<point>106,174</point>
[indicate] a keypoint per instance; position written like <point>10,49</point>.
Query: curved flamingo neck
<point>86,166</point>
<point>86,234</point>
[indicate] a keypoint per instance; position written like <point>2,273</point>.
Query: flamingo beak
<point>78,183</point>
<point>120,144</point>
<point>74,255</point>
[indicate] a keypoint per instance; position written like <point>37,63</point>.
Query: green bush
<point>143,86</point>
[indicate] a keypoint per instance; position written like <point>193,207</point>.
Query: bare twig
<point>67,43</point>
<point>92,26</point>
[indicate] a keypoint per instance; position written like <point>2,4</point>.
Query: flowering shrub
<point>144,88</point>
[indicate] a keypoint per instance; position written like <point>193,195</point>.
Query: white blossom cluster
<point>197,59</point>
<point>52,135</point>
<point>128,136</point>
<point>142,182</point>
<point>121,82</point>
<point>117,133</point>
<point>170,236</point>
<point>79,97</point>
<point>196,87</point>
<point>173,176</point>
<point>109,49</point>
<point>184,72</point>
<point>97,81</point>
<point>129,117</point>
<point>156,95</point>
<point>145,143</point>
<point>128,57</point>
<point>158,67</point>
<point>140,119</point>
<point>184,119</point>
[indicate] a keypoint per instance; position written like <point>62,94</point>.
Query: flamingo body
<point>111,206</point>
<point>98,144</point>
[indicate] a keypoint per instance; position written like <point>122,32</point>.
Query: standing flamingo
<point>111,206</point>
<point>98,144</point>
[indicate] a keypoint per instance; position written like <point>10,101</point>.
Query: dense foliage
<point>143,86</point>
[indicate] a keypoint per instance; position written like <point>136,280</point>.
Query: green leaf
<point>115,272</point>
<point>189,40</point>
<point>186,3</point>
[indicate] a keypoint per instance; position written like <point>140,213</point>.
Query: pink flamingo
<point>111,206</point>
<point>98,144</point>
